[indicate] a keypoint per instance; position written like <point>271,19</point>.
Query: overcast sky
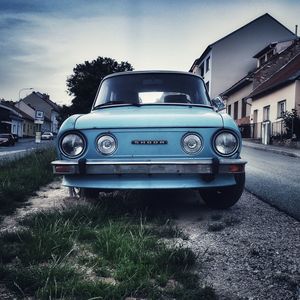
<point>42,41</point>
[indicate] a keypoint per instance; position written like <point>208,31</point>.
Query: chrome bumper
<point>207,166</point>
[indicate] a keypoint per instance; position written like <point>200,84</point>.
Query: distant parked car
<point>153,130</point>
<point>47,136</point>
<point>6,139</point>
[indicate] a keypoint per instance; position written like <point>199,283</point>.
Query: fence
<point>278,130</point>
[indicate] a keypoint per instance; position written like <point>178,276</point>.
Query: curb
<point>268,148</point>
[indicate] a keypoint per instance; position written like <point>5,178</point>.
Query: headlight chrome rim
<point>236,147</point>
<point>189,150</point>
<point>64,152</point>
<point>109,138</point>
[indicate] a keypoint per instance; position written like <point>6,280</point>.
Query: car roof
<point>151,72</point>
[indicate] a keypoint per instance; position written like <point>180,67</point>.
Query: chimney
<point>45,96</point>
<point>296,30</point>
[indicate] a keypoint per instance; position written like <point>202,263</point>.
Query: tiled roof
<point>24,115</point>
<point>47,99</point>
<point>287,74</point>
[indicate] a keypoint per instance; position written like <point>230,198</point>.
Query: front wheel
<point>224,197</point>
<point>84,193</point>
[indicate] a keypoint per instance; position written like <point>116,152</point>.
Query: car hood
<point>150,116</point>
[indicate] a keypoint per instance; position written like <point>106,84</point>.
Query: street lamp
<point>23,89</point>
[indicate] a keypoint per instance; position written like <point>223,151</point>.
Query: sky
<point>42,41</point>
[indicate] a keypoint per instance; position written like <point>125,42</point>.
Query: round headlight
<point>107,144</point>
<point>72,145</point>
<point>191,143</point>
<point>226,143</point>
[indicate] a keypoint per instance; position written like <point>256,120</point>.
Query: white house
<point>270,60</point>
<point>274,96</point>
<point>229,59</point>
<point>10,119</point>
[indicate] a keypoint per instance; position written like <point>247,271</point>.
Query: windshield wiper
<point>109,103</point>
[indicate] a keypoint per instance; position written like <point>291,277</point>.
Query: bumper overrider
<point>204,166</point>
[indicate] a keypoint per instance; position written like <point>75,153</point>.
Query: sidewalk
<point>272,148</point>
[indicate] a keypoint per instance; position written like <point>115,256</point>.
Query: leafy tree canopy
<point>84,82</point>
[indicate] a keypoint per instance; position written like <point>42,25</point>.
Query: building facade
<point>229,59</point>
<point>42,102</point>
<point>11,120</point>
<point>274,96</point>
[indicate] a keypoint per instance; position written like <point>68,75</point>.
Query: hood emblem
<point>149,142</point>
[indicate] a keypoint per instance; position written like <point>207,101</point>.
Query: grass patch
<point>21,177</point>
<point>110,250</point>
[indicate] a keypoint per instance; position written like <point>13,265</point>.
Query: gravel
<point>251,251</point>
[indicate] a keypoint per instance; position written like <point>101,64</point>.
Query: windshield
<point>152,88</point>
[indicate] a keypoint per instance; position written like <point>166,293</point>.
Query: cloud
<point>41,41</point>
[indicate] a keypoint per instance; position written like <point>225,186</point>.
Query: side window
<point>281,108</point>
<point>244,108</point>
<point>229,109</point>
<point>266,113</point>
<point>236,110</point>
<point>202,69</point>
<point>207,64</point>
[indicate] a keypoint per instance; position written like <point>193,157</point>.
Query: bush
<point>291,121</point>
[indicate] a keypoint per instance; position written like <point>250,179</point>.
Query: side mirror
<point>218,103</point>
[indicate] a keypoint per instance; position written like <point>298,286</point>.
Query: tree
<point>83,84</point>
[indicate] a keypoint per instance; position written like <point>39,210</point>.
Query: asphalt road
<point>274,178</point>
<point>21,148</point>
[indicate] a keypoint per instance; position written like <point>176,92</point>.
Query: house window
<point>269,54</point>
<point>236,110</point>
<point>207,64</point>
<point>281,108</point>
<point>262,60</point>
<point>244,108</point>
<point>229,109</point>
<point>266,114</point>
<point>202,69</point>
<point>207,85</point>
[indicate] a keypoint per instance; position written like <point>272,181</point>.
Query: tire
<point>89,193</point>
<point>224,197</point>
<point>81,193</point>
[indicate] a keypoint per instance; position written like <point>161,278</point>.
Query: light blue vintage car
<point>153,130</point>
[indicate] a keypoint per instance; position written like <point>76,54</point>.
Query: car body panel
<point>149,150</point>
<point>126,148</point>
<point>149,116</point>
<point>47,136</point>
<point>7,139</point>
<point>144,181</point>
